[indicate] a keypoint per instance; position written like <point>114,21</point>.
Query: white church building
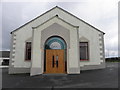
<point>56,42</point>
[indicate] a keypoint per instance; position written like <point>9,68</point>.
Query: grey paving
<point>103,78</point>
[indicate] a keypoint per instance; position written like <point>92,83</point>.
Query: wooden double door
<point>55,61</point>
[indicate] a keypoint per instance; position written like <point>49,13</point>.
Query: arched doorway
<point>55,55</point>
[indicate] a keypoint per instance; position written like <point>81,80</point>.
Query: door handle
<point>57,61</point>
<point>53,61</point>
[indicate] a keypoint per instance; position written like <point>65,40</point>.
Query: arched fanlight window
<point>55,43</point>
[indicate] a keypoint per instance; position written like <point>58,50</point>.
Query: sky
<point>102,14</point>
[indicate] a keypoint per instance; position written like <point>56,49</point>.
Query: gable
<point>56,19</point>
<point>55,11</point>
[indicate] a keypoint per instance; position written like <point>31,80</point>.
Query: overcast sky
<point>103,14</point>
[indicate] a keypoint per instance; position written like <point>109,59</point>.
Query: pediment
<point>83,39</point>
<point>56,19</point>
<point>29,39</point>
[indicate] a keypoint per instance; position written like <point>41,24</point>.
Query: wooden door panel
<point>52,66</point>
<point>60,68</point>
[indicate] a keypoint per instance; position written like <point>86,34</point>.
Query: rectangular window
<point>28,51</point>
<point>84,51</point>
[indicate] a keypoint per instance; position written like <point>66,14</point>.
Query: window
<point>84,51</point>
<point>55,43</point>
<point>28,51</point>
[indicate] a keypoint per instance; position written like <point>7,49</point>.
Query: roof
<point>5,54</point>
<point>62,10</point>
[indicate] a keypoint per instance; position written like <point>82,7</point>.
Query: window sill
<point>27,60</point>
<point>84,60</point>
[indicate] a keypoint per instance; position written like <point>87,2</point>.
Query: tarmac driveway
<point>103,78</point>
